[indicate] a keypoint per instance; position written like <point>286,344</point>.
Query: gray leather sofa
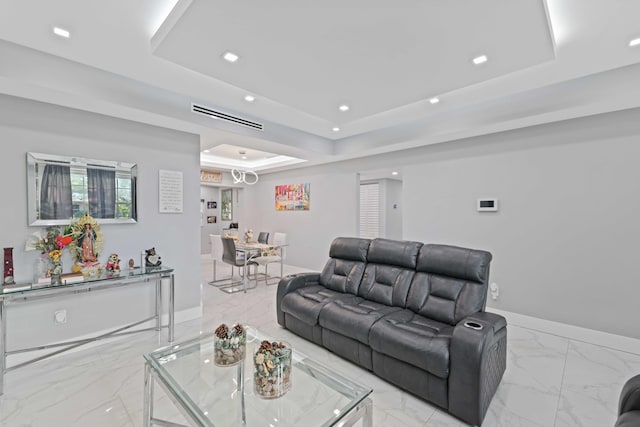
<point>411,313</point>
<point>629,406</point>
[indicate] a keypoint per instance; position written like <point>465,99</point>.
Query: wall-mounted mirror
<point>61,188</point>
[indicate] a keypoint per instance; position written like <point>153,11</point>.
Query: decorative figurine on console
<point>113,265</point>
<point>151,259</point>
<point>131,263</point>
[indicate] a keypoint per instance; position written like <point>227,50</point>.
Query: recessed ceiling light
<point>230,56</point>
<point>480,59</point>
<point>206,151</point>
<point>244,157</point>
<point>335,129</point>
<point>394,173</point>
<point>634,42</point>
<point>61,32</point>
<point>343,107</point>
<point>249,98</point>
<point>434,100</point>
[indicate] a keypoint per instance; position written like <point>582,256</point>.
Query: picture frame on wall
<point>226,196</point>
<point>212,219</point>
<point>293,197</point>
<point>212,205</point>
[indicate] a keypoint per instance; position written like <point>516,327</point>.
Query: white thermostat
<point>487,205</point>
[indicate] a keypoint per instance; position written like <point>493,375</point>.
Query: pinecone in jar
<point>239,329</point>
<point>222,331</point>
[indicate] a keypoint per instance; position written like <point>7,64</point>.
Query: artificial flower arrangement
<point>51,242</point>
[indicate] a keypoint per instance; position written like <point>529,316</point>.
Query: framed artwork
<point>227,204</point>
<point>212,205</point>
<point>212,219</point>
<point>293,197</point>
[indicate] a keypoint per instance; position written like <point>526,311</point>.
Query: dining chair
<point>263,237</point>
<point>279,241</point>
<point>216,254</point>
<point>235,258</point>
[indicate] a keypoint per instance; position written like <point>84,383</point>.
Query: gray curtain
<point>102,193</point>
<point>55,193</point>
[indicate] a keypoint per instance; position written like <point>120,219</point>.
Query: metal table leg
<point>158,303</point>
<point>147,411</point>
<point>172,302</point>
<point>3,340</point>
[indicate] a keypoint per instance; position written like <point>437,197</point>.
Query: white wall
<point>334,204</point>
<point>31,126</point>
<point>564,241</point>
<point>566,236</point>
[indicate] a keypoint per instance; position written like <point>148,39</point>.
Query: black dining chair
<point>263,237</point>
<point>235,258</point>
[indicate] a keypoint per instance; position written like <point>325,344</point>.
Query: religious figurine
<point>86,242</point>
<point>151,259</point>
<point>114,263</point>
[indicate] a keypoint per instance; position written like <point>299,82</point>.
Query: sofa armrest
<point>630,396</point>
<point>478,358</point>
<point>291,283</point>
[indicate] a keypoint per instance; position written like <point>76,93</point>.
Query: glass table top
<point>213,396</point>
<point>104,276</point>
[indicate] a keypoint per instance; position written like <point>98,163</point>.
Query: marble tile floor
<point>550,380</point>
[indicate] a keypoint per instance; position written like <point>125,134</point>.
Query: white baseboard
<point>180,316</point>
<point>591,336</point>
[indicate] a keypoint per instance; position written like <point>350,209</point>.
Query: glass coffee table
<point>210,395</point>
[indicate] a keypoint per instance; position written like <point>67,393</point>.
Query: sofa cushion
<point>450,283</point>
<point>413,339</point>
<point>350,248</point>
<point>305,303</point>
<point>353,317</point>
<point>394,252</point>
<point>452,261</point>
<point>342,275</point>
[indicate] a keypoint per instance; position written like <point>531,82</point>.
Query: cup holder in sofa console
<point>473,325</point>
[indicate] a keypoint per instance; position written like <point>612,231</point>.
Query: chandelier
<point>240,176</point>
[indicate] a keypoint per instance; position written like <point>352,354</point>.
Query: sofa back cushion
<point>343,272</point>
<point>390,268</point>
<point>450,283</point>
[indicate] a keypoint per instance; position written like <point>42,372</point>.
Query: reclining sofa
<point>629,404</point>
<point>411,313</point>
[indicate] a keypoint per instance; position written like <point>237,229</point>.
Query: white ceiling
<point>148,60</point>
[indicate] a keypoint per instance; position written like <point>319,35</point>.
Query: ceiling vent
<point>226,117</point>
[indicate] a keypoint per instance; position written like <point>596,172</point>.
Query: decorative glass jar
<point>229,344</point>
<point>272,369</point>
<point>42,267</point>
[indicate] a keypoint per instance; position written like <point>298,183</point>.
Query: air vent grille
<point>226,117</point>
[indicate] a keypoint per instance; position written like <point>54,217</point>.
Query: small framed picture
<point>212,205</point>
<point>212,219</point>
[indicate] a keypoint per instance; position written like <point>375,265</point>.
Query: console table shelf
<point>25,293</point>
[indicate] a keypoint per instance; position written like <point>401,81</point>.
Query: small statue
<point>151,259</point>
<point>131,263</point>
<point>114,263</point>
<point>248,235</point>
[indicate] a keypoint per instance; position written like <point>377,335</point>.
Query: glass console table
<point>24,293</point>
<point>224,396</point>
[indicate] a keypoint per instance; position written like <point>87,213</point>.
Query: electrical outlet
<point>60,317</point>
<point>494,290</point>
